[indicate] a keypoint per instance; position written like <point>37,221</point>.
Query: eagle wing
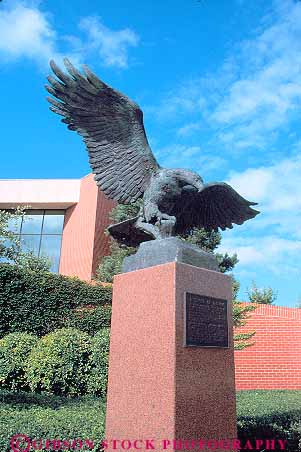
<point>111,126</point>
<point>217,205</point>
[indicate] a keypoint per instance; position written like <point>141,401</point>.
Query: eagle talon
<point>163,218</point>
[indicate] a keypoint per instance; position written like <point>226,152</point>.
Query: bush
<point>41,416</point>
<point>40,303</point>
<point>90,319</point>
<point>270,415</point>
<point>14,350</point>
<point>99,362</point>
<point>59,364</point>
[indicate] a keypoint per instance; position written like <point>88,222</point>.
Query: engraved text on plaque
<point>206,323</point>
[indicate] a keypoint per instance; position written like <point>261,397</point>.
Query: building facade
<point>66,220</point>
<point>274,361</point>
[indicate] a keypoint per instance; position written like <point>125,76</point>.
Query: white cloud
<point>271,253</point>
<point>111,45</point>
<point>276,187</point>
<point>27,32</point>
<point>255,93</point>
<point>273,239</point>
<point>265,92</point>
<point>193,157</point>
<point>177,155</point>
<point>186,98</point>
<point>188,129</point>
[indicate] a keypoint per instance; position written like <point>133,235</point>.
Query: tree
<point>11,246</point>
<point>241,313</point>
<point>265,295</point>
<point>208,241</point>
<point>9,242</point>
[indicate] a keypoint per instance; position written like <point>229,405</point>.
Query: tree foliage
<point>265,295</point>
<point>10,243</point>
<point>111,265</point>
<point>207,241</point>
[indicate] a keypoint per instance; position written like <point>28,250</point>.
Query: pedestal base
<point>172,249</point>
<point>158,388</point>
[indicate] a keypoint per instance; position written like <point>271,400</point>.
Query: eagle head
<point>188,180</point>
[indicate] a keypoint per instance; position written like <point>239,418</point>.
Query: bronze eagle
<point>111,125</point>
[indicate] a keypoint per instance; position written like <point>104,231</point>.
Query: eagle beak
<point>189,189</point>
<point>199,186</point>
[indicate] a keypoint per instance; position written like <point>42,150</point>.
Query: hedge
<point>66,362</point>
<point>38,303</point>
<point>14,351</point>
<point>99,363</point>
<point>270,415</point>
<point>60,363</point>
<point>56,417</point>
<point>50,417</point>
<point>90,319</point>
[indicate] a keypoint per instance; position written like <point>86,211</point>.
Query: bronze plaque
<point>206,323</point>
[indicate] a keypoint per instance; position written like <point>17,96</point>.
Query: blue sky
<point>219,82</point>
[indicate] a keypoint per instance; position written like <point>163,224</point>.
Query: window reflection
<point>14,225</point>
<point>53,222</point>
<point>40,232</point>
<point>31,243</point>
<point>32,222</point>
<point>6,243</point>
<point>51,248</point>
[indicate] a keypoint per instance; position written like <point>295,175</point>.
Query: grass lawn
<point>57,417</point>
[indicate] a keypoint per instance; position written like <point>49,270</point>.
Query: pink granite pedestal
<point>158,388</point>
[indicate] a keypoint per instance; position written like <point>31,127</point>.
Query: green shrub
<point>43,416</point>
<point>39,303</point>
<point>59,364</point>
<point>90,320</point>
<point>270,415</point>
<point>14,350</point>
<point>99,362</point>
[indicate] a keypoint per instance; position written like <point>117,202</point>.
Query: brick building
<point>274,361</point>
<point>66,221</point>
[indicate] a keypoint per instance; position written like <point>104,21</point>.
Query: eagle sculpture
<point>111,125</point>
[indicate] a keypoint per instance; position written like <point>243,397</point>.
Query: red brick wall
<point>274,362</point>
<point>84,240</point>
<point>101,241</point>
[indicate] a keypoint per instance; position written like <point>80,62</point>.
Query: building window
<point>40,232</point>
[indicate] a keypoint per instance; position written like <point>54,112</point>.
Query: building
<point>66,220</point>
<point>274,361</point>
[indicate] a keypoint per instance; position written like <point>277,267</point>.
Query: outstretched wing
<point>111,126</point>
<point>217,205</point>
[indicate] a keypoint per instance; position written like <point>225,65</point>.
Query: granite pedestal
<point>161,389</point>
